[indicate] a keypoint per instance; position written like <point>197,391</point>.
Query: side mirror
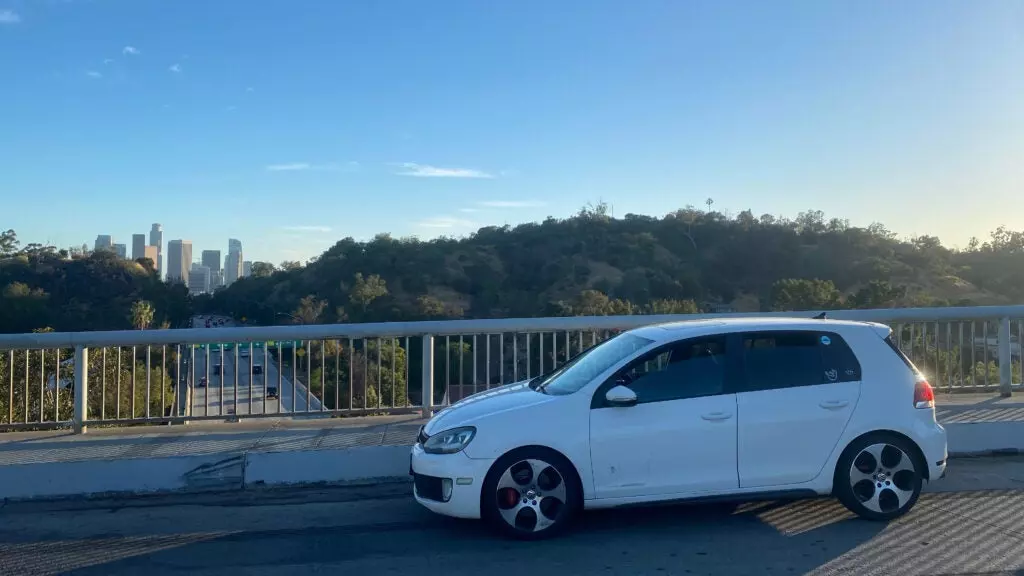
<point>621,397</point>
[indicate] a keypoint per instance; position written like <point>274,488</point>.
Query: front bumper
<point>465,474</point>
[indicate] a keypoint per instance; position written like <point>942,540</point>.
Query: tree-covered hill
<point>685,261</point>
<point>41,287</point>
<point>592,263</point>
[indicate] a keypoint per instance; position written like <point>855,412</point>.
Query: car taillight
<point>924,396</point>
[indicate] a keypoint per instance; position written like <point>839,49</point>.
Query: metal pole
<point>428,375</point>
<point>1005,358</point>
<point>81,389</point>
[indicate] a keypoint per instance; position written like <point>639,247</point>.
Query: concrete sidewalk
<point>267,452</point>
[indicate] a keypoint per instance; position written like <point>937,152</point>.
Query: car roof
<point>670,331</point>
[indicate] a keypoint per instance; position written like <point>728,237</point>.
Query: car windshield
<point>580,371</point>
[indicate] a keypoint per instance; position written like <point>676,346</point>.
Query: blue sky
<point>290,125</point>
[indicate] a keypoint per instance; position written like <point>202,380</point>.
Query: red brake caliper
<point>511,497</point>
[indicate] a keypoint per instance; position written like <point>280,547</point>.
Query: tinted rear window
<point>774,360</point>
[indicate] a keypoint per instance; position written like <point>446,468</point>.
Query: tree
<point>41,286</point>
<point>365,290</point>
<point>262,269</point>
<point>798,294</point>
<point>310,309</point>
<point>141,314</point>
<point>8,243</point>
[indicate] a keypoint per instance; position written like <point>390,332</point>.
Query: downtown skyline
<point>177,258</point>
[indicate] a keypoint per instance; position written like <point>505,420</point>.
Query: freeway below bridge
<point>968,524</point>
<point>225,394</point>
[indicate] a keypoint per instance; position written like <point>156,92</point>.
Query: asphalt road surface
<point>382,531</point>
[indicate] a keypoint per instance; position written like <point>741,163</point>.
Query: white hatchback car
<point>737,409</point>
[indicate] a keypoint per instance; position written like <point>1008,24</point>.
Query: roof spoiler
<point>820,317</point>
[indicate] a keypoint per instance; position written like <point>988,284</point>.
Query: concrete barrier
<point>969,439</point>
<point>131,475</point>
<point>339,466</point>
<point>251,469</point>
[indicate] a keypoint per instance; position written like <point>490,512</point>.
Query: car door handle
<point>715,416</point>
<point>834,404</point>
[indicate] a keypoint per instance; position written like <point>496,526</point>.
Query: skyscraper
<point>211,259</point>
<point>139,247</point>
<point>233,262</point>
<point>150,252</point>
<point>156,238</point>
<point>246,269</point>
<point>121,250</point>
<point>104,242</point>
<point>179,260</point>
<point>198,279</point>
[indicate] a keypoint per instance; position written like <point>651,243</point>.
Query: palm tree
<point>141,314</point>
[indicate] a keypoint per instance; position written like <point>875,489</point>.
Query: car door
<point>798,392</point>
<point>680,436</point>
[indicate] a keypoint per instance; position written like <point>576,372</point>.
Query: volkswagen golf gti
<point>736,409</point>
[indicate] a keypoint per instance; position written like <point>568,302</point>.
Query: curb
<point>996,453</point>
<point>246,471</point>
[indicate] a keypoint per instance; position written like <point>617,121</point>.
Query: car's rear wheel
<point>531,493</point>
<point>879,477</point>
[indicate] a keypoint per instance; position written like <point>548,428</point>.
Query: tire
<point>530,494</point>
<point>879,477</point>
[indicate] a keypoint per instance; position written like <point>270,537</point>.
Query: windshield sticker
<point>832,375</point>
<point>826,340</point>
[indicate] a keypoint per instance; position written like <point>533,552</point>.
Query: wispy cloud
<point>93,74</point>
<point>175,68</point>
<point>512,203</point>
<point>288,167</point>
<point>9,17</point>
<point>469,210</point>
<point>445,222</point>
<point>108,61</point>
<point>427,171</point>
<point>307,228</point>
<point>130,51</point>
<point>301,166</point>
<point>250,89</point>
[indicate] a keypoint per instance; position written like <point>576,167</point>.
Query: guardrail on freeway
<point>52,379</point>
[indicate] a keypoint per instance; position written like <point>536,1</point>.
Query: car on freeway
<point>257,370</point>
<point>216,368</point>
<point>243,351</point>
<point>202,382</point>
<point>271,392</point>
<point>730,409</point>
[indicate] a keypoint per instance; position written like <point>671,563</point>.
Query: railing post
<point>1005,358</point>
<point>81,389</point>
<point>428,375</point>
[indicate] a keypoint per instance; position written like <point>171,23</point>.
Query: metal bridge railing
<point>81,379</point>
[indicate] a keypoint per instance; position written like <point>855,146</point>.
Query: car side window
<point>774,360</point>
<point>688,369</point>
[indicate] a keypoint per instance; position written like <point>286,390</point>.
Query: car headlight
<point>450,441</point>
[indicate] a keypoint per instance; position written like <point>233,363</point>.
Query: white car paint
<point>733,444</point>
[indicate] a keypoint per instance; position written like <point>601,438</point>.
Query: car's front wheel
<point>531,493</point>
<point>878,477</point>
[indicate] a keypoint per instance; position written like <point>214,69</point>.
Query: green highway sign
<point>231,345</point>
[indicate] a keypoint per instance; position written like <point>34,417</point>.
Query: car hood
<point>513,396</point>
